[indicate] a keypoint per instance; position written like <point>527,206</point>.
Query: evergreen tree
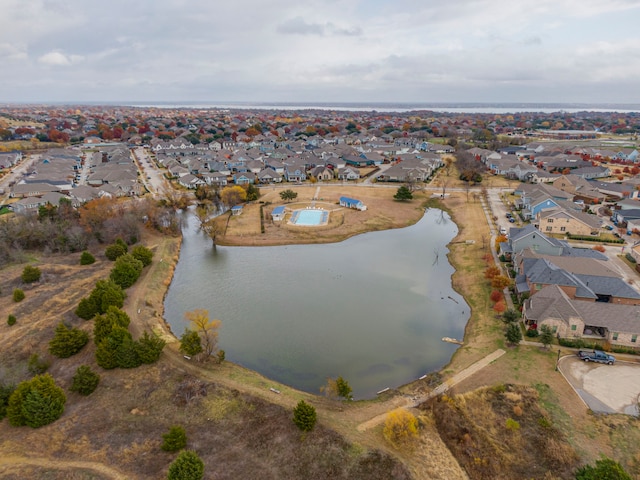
<point>31,274</point>
<point>87,308</point>
<point>546,335</point>
<point>188,466</point>
<point>126,271</point>
<point>67,341</point>
<point>5,393</point>
<point>36,402</point>
<point>304,416</point>
<point>149,347</point>
<point>190,343</point>
<point>86,258</point>
<point>344,389</point>
<point>85,381</point>
<point>175,439</point>
<point>142,253</point>
<point>115,250</point>
<point>403,193</point>
<point>513,334</point>
<point>605,469</point>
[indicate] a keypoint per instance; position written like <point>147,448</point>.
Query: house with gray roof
<point>575,319</point>
<point>536,273</point>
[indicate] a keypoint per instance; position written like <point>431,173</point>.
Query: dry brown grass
<point>383,212</point>
<point>479,428</point>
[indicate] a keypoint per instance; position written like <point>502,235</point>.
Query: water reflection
<point>373,308</point>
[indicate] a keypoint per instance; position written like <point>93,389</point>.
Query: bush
<point>85,381</point>
<point>67,341</point>
<point>142,253</point>
<point>106,293</point>
<point>513,334</point>
<point>605,469</point>
<point>400,426</point>
<point>532,333</point>
<point>115,250</point>
<point>630,258</point>
<point>188,466</point>
<point>304,416</point>
<point>18,295</point>
<point>37,366</point>
<point>5,393</point>
<point>31,274</point>
<point>512,425</point>
<point>11,320</point>
<point>126,271</point>
<point>149,347</point>
<point>36,402</point>
<point>175,439</point>
<point>86,258</point>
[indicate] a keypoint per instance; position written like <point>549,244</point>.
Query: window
<point>574,327</point>
<point>538,286</point>
<point>555,329</point>
<point>615,336</point>
<point>563,229</point>
<point>549,229</point>
<point>634,338</point>
<point>549,220</point>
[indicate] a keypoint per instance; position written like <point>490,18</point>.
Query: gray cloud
<point>298,26</point>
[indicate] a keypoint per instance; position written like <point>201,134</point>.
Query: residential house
<point>348,173</point>
<point>563,221</point>
<point>322,173</point>
<point>244,178</point>
<point>269,175</point>
<point>575,319</point>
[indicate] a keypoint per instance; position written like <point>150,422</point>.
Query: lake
<point>372,309</point>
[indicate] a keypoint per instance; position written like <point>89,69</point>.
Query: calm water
<point>373,308</point>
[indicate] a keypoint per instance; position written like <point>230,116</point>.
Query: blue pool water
<point>310,217</point>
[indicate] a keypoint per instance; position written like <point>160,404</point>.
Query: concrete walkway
<point>439,390</point>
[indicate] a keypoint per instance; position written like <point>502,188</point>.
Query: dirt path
<point>62,465</point>
<point>440,389</point>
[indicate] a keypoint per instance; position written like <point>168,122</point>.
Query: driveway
<point>604,388</point>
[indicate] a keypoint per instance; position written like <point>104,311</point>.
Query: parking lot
<point>604,388</point>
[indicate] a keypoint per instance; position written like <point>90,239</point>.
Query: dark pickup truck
<point>596,356</point>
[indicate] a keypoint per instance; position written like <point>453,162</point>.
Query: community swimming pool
<point>310,217</point>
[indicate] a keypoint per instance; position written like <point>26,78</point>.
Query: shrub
<point>175,439</point>
<point>142,253</point>
<point>5,393</point>
<point>106,293</point>
<point>36,402</point>
<point>126,271</point>
<point>115,250</point>
<point>304,416</point>
<point>630,258</point>
<point>513,334</point>
<point>512,425</point>
<point>67,341</point>
<point>18,295</point>
<point>510,316</point>
<point>187,466</point>
<point>605,469</point>
<point>37,366</point>
<point>11,320</point>
<point>400,426</point>
<point>149,347</point>
<point>532,333</point>
<point>86,258</point>
<point>31,274</point>
<point>85,381</point>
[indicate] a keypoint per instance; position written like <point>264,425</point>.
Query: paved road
<point>151,176</point>
<point>604,388</point>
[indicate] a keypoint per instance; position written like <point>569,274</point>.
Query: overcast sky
<point>320,50</point>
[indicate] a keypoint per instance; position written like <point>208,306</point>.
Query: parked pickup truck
<point>596,356</point>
